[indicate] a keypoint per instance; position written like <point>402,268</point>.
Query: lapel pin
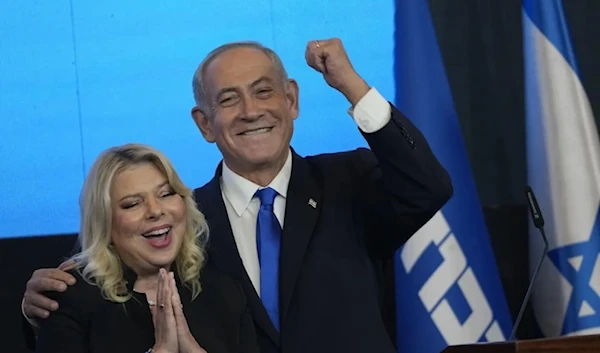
<point>312,203</point>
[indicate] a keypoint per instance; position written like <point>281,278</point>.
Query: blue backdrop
<point>79,76</point>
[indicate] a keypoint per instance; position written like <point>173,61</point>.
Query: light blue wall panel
<point>134,62</point>
<point>40,145</point>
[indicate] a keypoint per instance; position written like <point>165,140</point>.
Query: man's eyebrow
<point>260,80</point>
<point>263,79</point>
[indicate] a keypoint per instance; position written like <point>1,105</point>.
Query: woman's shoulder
<point>83,291</point>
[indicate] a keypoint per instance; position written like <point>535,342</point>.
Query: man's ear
<point>293,95</point>
<point>203,124</point>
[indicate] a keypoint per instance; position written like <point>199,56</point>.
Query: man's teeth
<point>257,131</point>
<point>158,232</point>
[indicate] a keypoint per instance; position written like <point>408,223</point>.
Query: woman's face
<point>149,218</point>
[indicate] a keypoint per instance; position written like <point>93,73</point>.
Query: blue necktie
<point>268,238</point>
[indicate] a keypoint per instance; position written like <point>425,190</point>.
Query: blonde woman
<point>143,284</point>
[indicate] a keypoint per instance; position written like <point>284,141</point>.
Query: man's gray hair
<point>198,84</point>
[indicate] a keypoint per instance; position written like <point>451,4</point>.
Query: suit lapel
<point>302,210</point>
<point>223,252</point>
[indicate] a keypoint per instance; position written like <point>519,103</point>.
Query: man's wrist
<point>355,90</point>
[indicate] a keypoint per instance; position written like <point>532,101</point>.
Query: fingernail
<point>172,275</point>
<point>62,287</point>
<point>54,306</point>
<point>72,281</point>
<point>45,314</point>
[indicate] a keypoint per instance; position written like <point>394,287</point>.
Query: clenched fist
<point>330,59</point>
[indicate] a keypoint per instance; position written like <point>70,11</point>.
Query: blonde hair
<point>98,262</point>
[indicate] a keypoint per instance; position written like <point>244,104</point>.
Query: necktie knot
<point>266,196</point>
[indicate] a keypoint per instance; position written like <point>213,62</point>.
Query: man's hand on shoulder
<point>35,304</point>
<point>330,59</point>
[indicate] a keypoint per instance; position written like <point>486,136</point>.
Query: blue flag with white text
<point>447,284</point>
<point>563,154</point>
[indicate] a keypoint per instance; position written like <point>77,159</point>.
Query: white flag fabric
<point>563,154</point>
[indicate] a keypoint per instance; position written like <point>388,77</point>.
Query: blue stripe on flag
<point>548,16</point>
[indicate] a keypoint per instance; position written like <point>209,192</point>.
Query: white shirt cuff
<point>372,112</point>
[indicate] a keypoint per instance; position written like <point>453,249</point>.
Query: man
<point>302,235</point>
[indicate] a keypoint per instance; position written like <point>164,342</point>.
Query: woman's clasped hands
<point>171,331</point>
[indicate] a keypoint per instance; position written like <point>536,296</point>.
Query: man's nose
<point>251,108</point>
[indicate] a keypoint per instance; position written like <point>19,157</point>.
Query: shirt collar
<point>240,191</point>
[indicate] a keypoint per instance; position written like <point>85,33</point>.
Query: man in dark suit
<point>303,235</point>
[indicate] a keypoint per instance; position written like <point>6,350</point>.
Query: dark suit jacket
<point>368,203</point>
<point>85,322</point>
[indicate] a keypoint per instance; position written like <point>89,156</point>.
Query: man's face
<point>253,110</point>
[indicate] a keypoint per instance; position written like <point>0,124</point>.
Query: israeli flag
<point>564,170</point>
<point>447,284</point>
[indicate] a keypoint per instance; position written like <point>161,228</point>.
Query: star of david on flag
<point>563,153</point>
<point>580,265</point>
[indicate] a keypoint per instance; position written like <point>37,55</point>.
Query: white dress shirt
<point>371,114</point>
